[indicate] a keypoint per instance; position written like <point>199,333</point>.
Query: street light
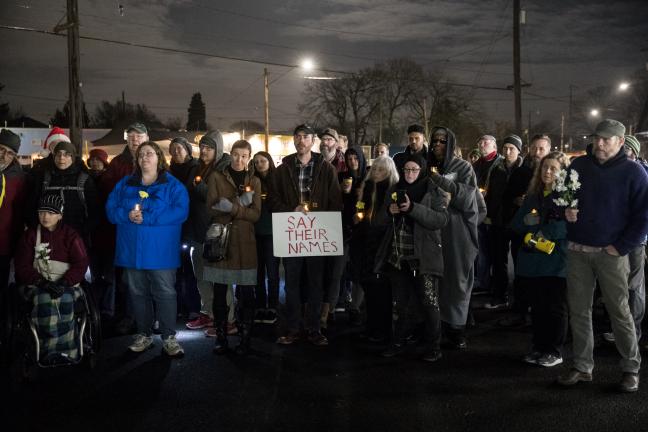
<point>308,64</point>
<point>624,86</point>
<point>594,113</point>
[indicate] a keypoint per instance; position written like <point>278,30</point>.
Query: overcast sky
<point>585,43</point>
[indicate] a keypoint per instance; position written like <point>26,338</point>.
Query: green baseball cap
<point>137,127</point>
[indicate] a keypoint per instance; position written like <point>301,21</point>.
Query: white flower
<point>573,176</point>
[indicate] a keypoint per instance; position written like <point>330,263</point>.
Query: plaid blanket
<point>55,323</point>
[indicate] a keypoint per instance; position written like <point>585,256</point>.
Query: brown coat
<point>242,246</point>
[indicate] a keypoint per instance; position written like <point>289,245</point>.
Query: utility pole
<point>266,99</point>
<point>75,99</point>
<point>516,67</point>
<point>569,114</point>
<point>123,103</point>
<point>562,132</point>
<point>425,119</point>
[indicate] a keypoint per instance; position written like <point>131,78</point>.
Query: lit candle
<point>348,181</point>
<point>434,170</point>
<point>248,188</point>
<point>482,190</point>
<point>534,212</point>
<point>138,207</point>
<point>197,179</point>
<point>305,207</point>
<point>360,215</point>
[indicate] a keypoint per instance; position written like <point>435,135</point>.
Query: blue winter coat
<point>154,244</point>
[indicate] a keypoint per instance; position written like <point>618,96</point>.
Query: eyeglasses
<point>411,170</point>
<point>5,150</point>
<point>148,154</point>
<point>439,140</point>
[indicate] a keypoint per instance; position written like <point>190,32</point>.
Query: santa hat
<point>56,135</point>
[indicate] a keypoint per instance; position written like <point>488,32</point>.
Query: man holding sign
<point>305,183</point>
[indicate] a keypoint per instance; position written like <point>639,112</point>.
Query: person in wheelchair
<point>50,263</point>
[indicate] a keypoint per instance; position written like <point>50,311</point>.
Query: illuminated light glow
<point>594,113</point>
<point>308,64</point>
<point>624,86</point>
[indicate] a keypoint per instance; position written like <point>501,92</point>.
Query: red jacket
<point>12,181</point>
<point>65,244</point>
<point>120,166</point>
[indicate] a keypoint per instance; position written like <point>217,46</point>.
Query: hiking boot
<point>141,343</point>
<point>317,339</point>
<point>172,348</point>
<point>572,377</point>
<point>629,383</point>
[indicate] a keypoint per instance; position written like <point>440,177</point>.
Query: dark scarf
<point>181,171</point>
<point>238,177</point>
<point>415,191</point>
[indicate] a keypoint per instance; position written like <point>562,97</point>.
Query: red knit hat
<point>99,154</point>
<point>56,135</point>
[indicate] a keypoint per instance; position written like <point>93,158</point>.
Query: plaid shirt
<point>304,175</point>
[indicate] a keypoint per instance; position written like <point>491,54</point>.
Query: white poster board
<point>297,234</point>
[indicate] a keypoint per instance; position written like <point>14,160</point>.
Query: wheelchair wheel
<point>92,336</point>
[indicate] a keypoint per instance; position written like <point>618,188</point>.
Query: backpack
<point>81,180</point>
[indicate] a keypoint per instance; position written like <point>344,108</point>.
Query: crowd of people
<point>423,230</point>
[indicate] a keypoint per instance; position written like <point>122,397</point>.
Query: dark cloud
<point>564,42</point>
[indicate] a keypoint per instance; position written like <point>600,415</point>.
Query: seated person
<point>50,262</point>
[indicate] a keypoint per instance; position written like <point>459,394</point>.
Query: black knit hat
<point>183,142</point>
<point>10,139</point>
<point>415,128</point>
<point>515,140</point>
<point>51,203</point>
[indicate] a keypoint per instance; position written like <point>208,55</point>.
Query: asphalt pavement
<point>346,386</point>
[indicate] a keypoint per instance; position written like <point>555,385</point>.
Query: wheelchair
<point>24,344</point>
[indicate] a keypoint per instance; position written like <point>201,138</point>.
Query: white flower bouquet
<point>566,188</point>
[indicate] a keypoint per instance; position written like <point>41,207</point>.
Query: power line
<point>166,49</point>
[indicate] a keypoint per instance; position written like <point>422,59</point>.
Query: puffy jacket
<point>154,244</point>
<point>12,189</point>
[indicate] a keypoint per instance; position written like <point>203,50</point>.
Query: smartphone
<point>400,196</point>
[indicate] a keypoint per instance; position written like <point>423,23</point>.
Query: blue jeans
<point>149,287</point>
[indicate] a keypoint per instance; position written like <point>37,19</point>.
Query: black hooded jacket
<point>350,199</point>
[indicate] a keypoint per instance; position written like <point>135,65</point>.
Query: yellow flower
<point>360,205</point>
<point>143,194</point>
<point>394,196</point>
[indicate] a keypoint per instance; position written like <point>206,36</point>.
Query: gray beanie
<point>183,142</point>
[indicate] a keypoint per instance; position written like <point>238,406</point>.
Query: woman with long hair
<point>543,274</point>
<point>372,222</point>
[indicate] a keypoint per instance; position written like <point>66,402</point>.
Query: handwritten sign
<point>302,235</point>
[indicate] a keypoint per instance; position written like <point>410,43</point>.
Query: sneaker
<point>211,332</point>
<point>172,347</point>
<point>199,323</point>
<point>141,343</point>
<point>231,328</point>
<point>532,357</point>
<point>549,360</point>
<point>317,339</point>
<point>270,316</point>
<point>608,337</point>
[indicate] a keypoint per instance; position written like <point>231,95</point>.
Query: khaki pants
<point>583,269</point>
